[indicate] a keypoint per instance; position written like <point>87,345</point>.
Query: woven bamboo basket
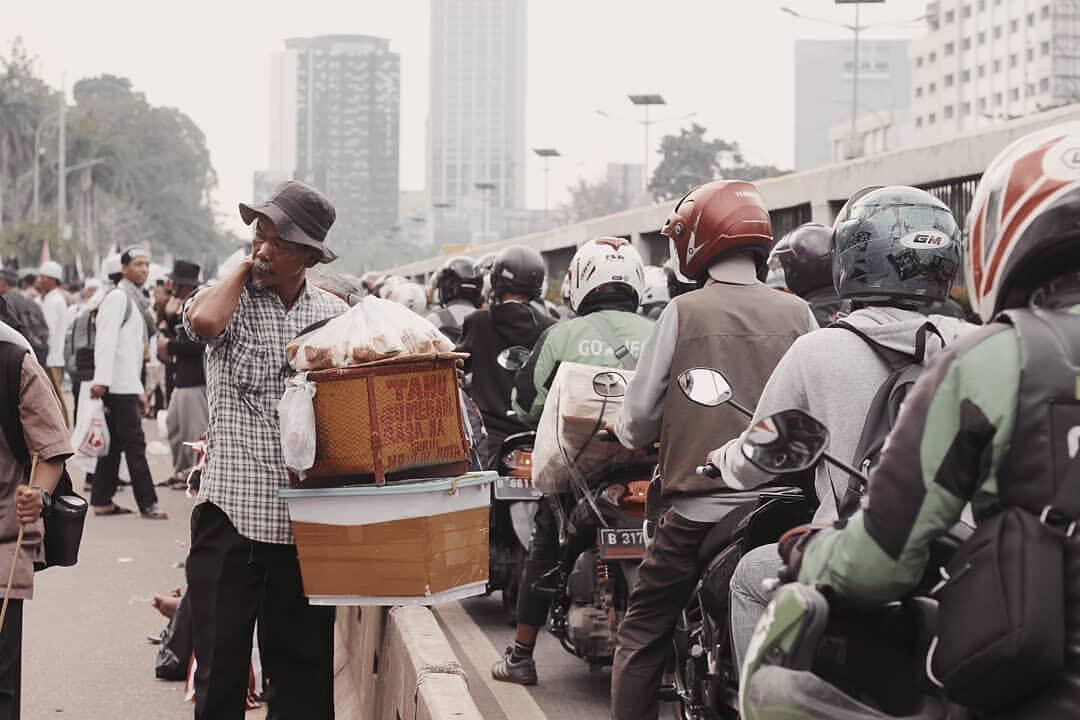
<point>387,420</point>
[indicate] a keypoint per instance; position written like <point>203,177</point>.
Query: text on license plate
<point>621,544</point>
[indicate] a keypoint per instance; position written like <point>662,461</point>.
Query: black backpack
<point>904,370</point>
<point>11,360</point>
<point>80,339</point>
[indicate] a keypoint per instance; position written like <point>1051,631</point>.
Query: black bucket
<point>64,529</point>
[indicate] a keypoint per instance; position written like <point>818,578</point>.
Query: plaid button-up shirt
<point>246,372</point>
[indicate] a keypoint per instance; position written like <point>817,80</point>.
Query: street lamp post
<point>37,163</point>
<point>547,154</point>
<point>646,101</point>
<point>855,30</point>
<point>61,202</point>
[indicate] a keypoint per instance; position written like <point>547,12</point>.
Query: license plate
<point>515,488</point>
<point>622,544</point>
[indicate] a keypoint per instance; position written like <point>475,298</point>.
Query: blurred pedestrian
<point>28,285</point>
<point>123,326</point>
<point>26,313</point>
<point>54,305</point>
<point>23,497</point>
<point>243,564</point>
<point>189,415</point>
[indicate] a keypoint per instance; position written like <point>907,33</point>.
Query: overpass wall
<point>949,169</point>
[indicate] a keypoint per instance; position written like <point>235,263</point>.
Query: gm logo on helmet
<point>1071,158</point>
<point>926,240</point>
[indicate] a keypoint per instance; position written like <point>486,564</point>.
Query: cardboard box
<point>386,421</point>
<point>403,543</point>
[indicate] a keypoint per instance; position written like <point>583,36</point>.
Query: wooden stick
<point>18,548</point>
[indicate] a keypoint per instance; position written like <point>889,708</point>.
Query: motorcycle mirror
<point>787,442</point>
<point>705,386</point>
<point>609,384</point>
<point>513,358</point>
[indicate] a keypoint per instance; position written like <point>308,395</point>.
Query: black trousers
<point>665,580</point>
<point>544,554</point>
<point>125,436</point>
<point>532,606</point>
<point>232,582</point>
<point>11,661</point>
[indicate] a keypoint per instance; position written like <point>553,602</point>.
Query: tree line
<point>687,160</point>
<point>136,173</point>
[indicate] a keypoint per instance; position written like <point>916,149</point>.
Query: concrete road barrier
<point>397,663</point>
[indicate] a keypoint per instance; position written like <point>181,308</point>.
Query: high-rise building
<point>334,114</point>
<point>824,70</point>
<point>476,128</point>
<point>984,61</point>
<point>628,179</point>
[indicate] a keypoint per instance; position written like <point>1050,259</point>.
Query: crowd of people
<point>817,321</point>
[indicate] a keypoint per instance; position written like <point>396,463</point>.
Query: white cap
<point>52,270</point>
<point>92,284</point>
<point>110,265</point>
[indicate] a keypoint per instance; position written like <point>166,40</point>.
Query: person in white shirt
<point>54,304</point>
<point>124,323</point>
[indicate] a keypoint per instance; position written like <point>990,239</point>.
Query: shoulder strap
<point>11,360</point>
<point>893,358</point>
<point>622,353</point>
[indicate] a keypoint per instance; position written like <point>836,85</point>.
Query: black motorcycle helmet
<point>518,269</point>
<point>458,279</point>
<point>806,255</point>
<point>895,244</point>
<point>675,286</point>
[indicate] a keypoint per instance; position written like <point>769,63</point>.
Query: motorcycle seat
<point>722,533</point>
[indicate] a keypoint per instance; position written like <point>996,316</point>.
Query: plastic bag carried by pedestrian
<point>90,439</point>
<point>373,329</point>
<point>297,414</point>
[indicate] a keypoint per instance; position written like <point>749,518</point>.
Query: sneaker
<point>522,672</point>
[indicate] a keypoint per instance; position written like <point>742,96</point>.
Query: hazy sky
<point>730,61</point>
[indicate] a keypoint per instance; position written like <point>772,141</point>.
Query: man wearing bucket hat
<point>243,564</point>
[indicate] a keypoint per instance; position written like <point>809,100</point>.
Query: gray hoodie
<point>833,375</point>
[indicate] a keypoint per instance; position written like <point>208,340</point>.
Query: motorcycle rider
<point>721,235</point>
<point>510,320</point>
<point>805,256</point>
<point>458,292</point>
<point>992,421</point>
<point>832,373</point>
<point>606,280</point>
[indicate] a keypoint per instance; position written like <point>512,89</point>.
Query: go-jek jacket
<point>578,341</point>
<point>948,447</point>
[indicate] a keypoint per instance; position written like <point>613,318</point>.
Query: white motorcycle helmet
<point>409,294</point>
<point>388,284</point>
<point>656,290</point>
<point>601,263</point>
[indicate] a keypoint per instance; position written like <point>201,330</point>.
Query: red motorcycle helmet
<point>717,219</point>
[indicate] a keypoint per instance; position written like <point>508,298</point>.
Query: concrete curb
<point>397,663</point>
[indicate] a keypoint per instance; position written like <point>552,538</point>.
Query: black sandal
<point>114,510</point>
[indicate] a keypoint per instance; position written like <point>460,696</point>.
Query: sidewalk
<point>85,652</point>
